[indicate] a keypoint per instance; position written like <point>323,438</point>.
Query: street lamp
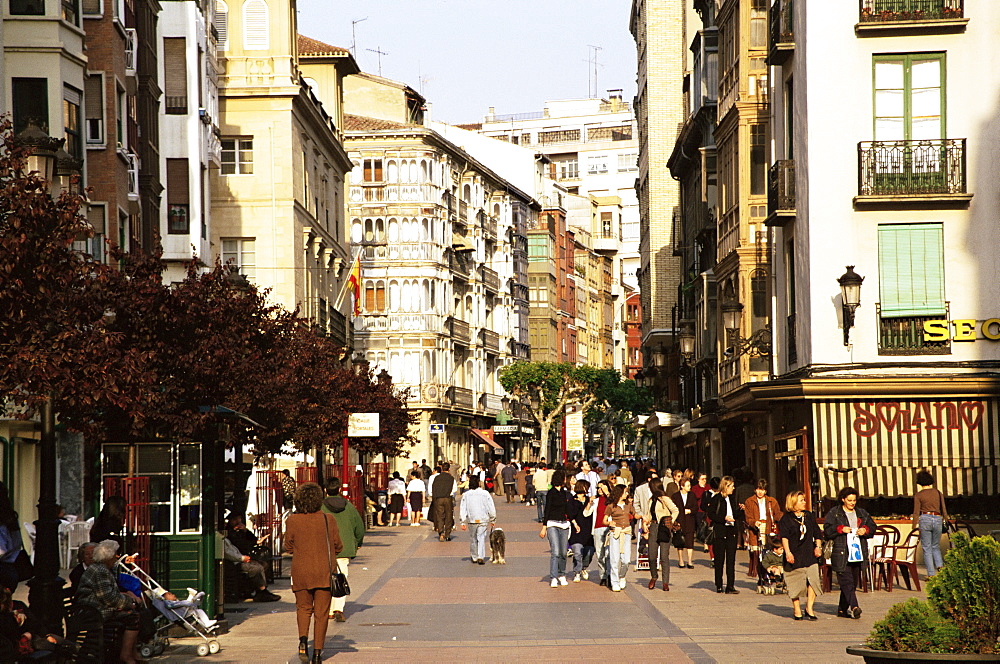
<point>359,362</point>
<point>756,345</point>
<point>850,291</point>
<point>42,158</point>
<point>685,339</point>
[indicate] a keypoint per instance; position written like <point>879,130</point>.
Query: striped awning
<point>878,446</point>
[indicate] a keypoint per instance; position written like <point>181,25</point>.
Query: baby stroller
<point>770,583</point>
<point>170,614</point>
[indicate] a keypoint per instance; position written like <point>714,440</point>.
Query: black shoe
<point>265,596</point>
<point>690,566</point>
<point>798,617</point>
<point>856,612</point>
<point>844,614</point>
<point>481,561</point>
<point>719,590</point>
<point>811,616</point>
<point>303,651</point>
<point>317,657</point>
<point>732,591</point>
<point>604,582</point>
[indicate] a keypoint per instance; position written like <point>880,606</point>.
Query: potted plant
<point>959,621</point>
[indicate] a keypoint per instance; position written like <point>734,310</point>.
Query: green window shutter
<point>911,269</point>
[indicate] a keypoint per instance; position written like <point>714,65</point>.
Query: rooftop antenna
<point>354,37</point>
<point>592,82</point>
<point>380,53</point>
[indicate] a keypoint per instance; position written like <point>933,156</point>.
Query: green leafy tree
<point>618,404</point>
<point>548,387</point>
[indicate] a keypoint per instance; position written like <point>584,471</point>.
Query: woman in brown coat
<point>762,516</point>
<point>313,539</point>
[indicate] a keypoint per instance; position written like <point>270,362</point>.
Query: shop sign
<point>437,428</point>
<point>965,329</point>
<point>362,425</point>
<point>914,417</point>
<point>504,428</point>
<point>574,432</point>
<point>528,430</point>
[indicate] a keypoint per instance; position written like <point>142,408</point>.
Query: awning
<point>878,447</point>
<point>460,243</point>
<point>659,421</point>
<point>486,436</point>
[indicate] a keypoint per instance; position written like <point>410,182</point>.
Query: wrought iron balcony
<point>490,227</point>
<point>932,168</point>
<point>781,192</point>
<point>782,18</point>
<point>905,335</point>
<point>906,11</point>
<point>459,330</point>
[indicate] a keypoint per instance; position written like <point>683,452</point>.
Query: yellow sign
<point>964,329</point>
<point>574,432</point>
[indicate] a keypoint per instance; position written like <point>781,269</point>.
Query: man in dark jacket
<point>442,493</point>
<point>352,533</point>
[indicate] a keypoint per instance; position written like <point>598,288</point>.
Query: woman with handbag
<point>849,528</point>
<point>762,516</point>
<point>802,539</point>
<point>664,512</point>
<point>683,537</point>
<point>313,539</point>
<point>11,545</point>
<point>930,516</point>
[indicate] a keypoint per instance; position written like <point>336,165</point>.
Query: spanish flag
<point>354,283</point>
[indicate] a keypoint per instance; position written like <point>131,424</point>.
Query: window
<point>568,169</point>
<point>71,12</point>
<point>237,156</point>
<point>375,296</point>
<point>620,133</point>
<point>94,245</point>
<point>30,97</point>
<point>175,82</point>
<point>241,253</point>
<point>558,136</point>
<point>758,160</point>
<point>909,99</point>
<point>373,170</point>
<point>27,7</point>
<point>539,247</point>
<point>120,116</point>
<point>597,164</point>
<point>174,472</point>
<point>71,121</point>
<point>628,162</point>
<point>256,26</point>
<point>93,8</point>
<point>93,98</point>
<point>607,225</point>
<point>911,269</point>
<point>221,22</point>
<point>178,197</point>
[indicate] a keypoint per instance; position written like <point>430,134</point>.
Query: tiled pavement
<point>417,599</point>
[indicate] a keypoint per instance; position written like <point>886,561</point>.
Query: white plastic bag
<point>854,554</point>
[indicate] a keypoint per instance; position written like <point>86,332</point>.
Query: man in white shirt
<point>476,512</point>
<point>540,480</point>
<point>586,473</point>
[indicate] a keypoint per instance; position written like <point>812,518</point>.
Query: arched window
<point>394,296</point>
<point>369,230</point>
<point>393,231</point>
<point>256,26</point>
<point>467,193</point>
<point>423,170</point>
<point>221,23</point>
<point>392,170</point>
<point>357,231</point>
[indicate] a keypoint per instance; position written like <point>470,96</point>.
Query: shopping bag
<point>854,554</point>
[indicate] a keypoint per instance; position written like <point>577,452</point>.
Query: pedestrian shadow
<point>780,610</point>
<point>338,643</point>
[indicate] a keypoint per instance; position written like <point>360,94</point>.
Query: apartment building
<point>278,196</point>
<point>592,152</point>
<point>882,213</point>
<point>438,231</point>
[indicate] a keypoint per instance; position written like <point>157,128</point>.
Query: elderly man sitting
<point>99,589</point>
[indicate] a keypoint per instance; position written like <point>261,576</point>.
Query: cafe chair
<point>878,558</point>
<point>903,558</point>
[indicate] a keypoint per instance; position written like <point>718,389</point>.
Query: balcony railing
<point>133,175</point>
<point>463,212</point>
<point>782,18</point>
<point>522,351</point>
<point>489,278</point>
<point>895,11</point>
<point>460,397</point>
<point>729,374</point>
<point>400,323</point>
<point>131,52</point>
<point>490,340</point>
<point>519,292</point>
<point>459,330</point>
<point>176,104</point>
<point>492,403</point>
<point>790,340</point>
<point>912,168</point>
<point>490,227</point>
<point>905,335</point>
<point>460,265</point>
<point>780,191</point>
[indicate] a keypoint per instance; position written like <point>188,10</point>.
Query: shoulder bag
<point>664,525</point>
<point>22,564</point>
<point>338,580</point>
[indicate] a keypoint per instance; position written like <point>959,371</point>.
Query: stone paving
<point>420,600</point>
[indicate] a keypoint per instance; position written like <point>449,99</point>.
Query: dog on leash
<point>498,544</point>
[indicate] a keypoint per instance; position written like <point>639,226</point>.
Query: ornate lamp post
<point>850,290</point>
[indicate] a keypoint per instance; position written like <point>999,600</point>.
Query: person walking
<point>352,533</point>
<point>313,539</point>
<point>540,481</point>
<point>930,515</point>
<point>556,527</point>
<point>617,517</point>
<point>587,473</point>
<point>396,491</point>
<point>110,523</point>
<point>762,516</point>
<point>802,540</point>
<point>509,477</point>
<point>850,528</point>
<point>687,507</point>
<point>415,491</point>
<point>476,511</point>
<point>663,515</point>
<point>442,493</point>
<point>647,527</point>
<point>725,512</point>
<point>601,531</point>
<point>581,538</point>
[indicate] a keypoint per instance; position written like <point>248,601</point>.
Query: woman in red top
<point>699,489</point>
<point>600,531</point>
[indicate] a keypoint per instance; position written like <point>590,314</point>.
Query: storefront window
<point>174,473</point>
<point>189,488</point>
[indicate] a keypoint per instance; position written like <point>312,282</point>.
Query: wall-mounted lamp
<point>685,340</point>
<point>659,357</point>
<point>850,291</point>
<point>756,345</point>
<point>42,159</point>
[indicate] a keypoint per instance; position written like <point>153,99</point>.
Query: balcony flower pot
<point>873,656</point>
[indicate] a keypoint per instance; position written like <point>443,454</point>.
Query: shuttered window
<point>93,7</point>
<point>222,24</point>
<point>911,269</point>
<point>175,75</point>
<point>178,197</point>
<point>256,26</point>
<point>93,108</point>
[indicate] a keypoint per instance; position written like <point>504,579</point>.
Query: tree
<point>548,387</point>
<point>618,405</point>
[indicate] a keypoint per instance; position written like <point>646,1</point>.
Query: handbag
<point>664,527</point>
<point>828,550</point>
<point>678,540</point>
<point>338,580</point>
<point>22,564</point>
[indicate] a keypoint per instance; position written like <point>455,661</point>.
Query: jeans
<point>540,503</point>
<point>582,555</point>
<point>558,543</point>
<point>601,549</point>
<point>477,540</point>
<point>931,526</point>
<point>618,558</point>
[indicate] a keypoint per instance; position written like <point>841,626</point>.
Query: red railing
<point>138,526</point>
<point>270,496</point>
<point>305,474</point>
<point>377,476</point>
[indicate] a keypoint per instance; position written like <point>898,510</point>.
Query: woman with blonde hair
<point>313,539</point>
<point>803,542</point>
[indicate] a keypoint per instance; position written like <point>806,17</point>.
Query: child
<point>188,607</point>
<point>773,559</point>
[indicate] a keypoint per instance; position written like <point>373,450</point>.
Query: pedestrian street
<point>417,599</point>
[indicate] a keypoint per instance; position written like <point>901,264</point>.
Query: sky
<point>468,55</point>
